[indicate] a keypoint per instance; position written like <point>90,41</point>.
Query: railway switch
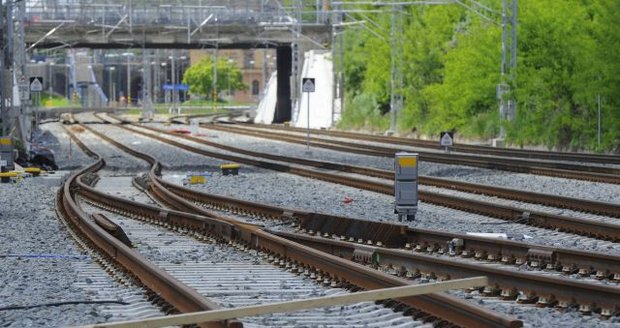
<point>406,185</point>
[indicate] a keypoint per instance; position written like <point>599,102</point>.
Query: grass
<point>207,107</point>
<point>49,101</point>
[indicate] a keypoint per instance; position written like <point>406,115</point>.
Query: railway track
<point>582,205</point>
<point>554,169</point>
<point>591,228</point>
<point>234,277</point>
<point>597,265</point>
<point>331,234</point>
<point>431,144</point>
<point>435,307</point>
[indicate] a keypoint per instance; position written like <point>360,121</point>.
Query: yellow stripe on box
<point>407,161</point>
<point>230,166</point>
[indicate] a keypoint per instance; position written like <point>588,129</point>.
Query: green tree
<point>200,77</point>
<point>568,56</point>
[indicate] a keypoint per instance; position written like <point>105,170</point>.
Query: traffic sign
<point>446,138</point>
<point>307,84</point>
<point>36,84</point>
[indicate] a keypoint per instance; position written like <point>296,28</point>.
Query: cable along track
<point>436,307</point>
<point>590,228</point>
<point>554,169</point>
<point>547,290</point>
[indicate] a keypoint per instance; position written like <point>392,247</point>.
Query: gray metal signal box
<point>406,185</point>
<point>6,154</point>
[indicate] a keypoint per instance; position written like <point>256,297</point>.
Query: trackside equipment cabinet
<point>6,154</point>
<point>406,185</point>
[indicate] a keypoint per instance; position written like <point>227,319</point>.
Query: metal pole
<point>109,85</point>
<point>308,125</point>
<point>173,77</point>
<point>598,133</point>
<point>392,70</point>
<point>214,98</point>
<point>128,82</point>
<point>341,83</point>
<point>49,81</point>
<point>67,81</point>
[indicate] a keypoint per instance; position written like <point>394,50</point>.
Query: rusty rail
<point>447,308</point>
<point>175,293</point>
<point>583,205</point>
<point>422,240</point>
<point>476,149</point>
<point>590,228</point>
<point>545,290</point>
<point>555,169</point>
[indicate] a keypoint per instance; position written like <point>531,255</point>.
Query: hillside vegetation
<point>568,55</point>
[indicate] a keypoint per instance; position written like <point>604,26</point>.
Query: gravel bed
<point>171,157</point>
<point>40,264</point>
<point>293,191</point>
<point>116,160</point>
<point>67,154</point>
<point>298,192</point>
<point>196,264</point>
<point>550,185</point>
<point>436,150</point>
<point>524,205</point>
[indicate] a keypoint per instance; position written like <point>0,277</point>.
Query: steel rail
<point>577,204</point>
<point>432,144</point>
<point>548,290</point>
<point>563,170</point>
<point>447,308</point>
<point>545,290</point>
<point>395,235</point>
<point>590,228</point>
<point>175,293</point>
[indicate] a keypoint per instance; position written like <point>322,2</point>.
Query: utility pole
<point>396,73</point>
<point>296,54</point>
<point>23,111</point>
<point>5,64</point>
<point>507,103</point>
<point>337,52</point>
<point>147,84</point>
<point>214,97</point>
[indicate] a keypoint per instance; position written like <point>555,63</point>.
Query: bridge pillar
<point>284,66</point>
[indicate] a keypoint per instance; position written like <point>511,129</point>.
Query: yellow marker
<point>230,166</point>
<point>407,161</point>
<point>197,179</point>
<point>5,141</point>
<point>33,170</point>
